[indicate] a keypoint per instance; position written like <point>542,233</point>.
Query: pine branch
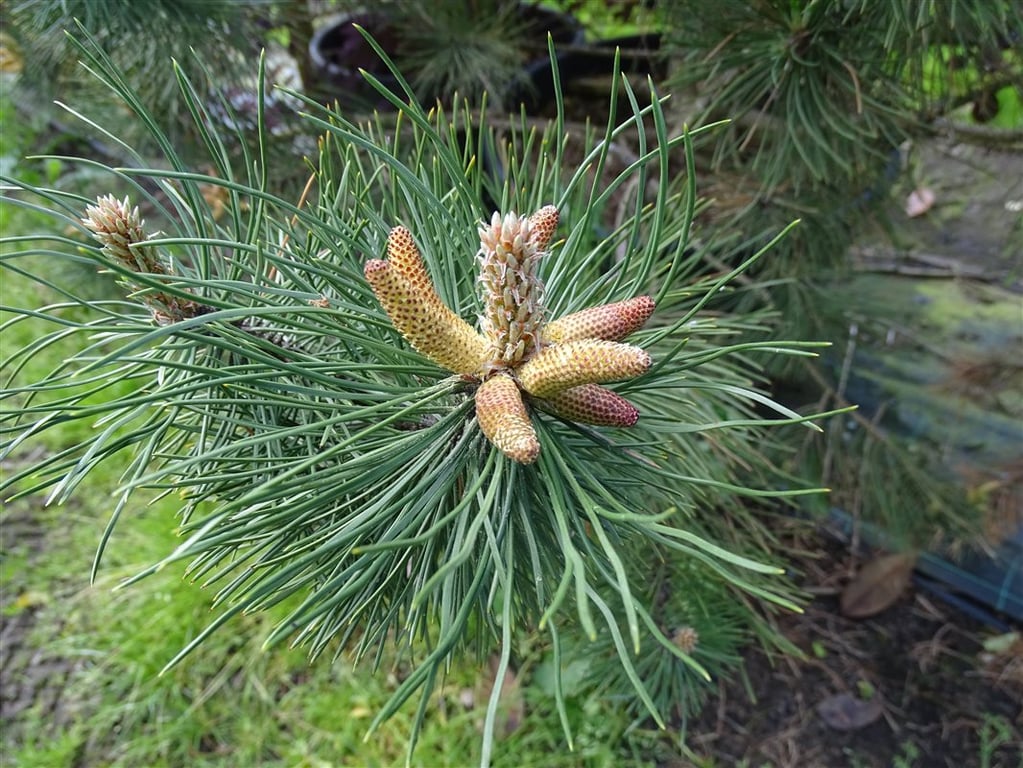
<point>377,471</point>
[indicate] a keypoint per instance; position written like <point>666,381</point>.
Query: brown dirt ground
<point>940,689</point>
<point>923,659</point>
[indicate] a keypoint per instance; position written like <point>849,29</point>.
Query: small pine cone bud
<point>503,419</point>
<point>118,227</point>
<point>429,326</point>
<point>612,322</point>
<point>686,638</point>
<point>512,294</point>
<point>592,404</point>
<point>586,361</point>
<point>168,310</point>
<point>543,222</point>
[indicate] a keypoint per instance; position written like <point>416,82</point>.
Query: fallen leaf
<point>919,202</point>
<point>512,704</point>
<point>1002,643</point>
<point>11,61</point>
<point>878,584</point>
<point>573,676</point>
<point>844,712</point>
<point>31,599</point>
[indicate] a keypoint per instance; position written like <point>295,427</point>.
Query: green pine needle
<point>325,466</point>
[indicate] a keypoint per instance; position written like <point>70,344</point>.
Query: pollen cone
<point>407,261</point>
<point>612,322</point>
<point>503,418</point>
<point>587,361</point>
<point>592,404</point>
<point>425,321</point>
<point>543,224</point>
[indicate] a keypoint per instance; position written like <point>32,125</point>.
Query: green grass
<point>232,703</point>
<point>940,80</point>
<point>603,20</point>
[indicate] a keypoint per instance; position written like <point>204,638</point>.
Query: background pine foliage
<point>324,465</point>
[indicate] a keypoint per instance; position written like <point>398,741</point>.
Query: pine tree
<point>413,419</point>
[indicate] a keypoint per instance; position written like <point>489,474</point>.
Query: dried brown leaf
<point>878,584</point>
<point>845,712</point>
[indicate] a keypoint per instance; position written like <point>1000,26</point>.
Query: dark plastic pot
<point>338,51</point>
<point>640,55</point>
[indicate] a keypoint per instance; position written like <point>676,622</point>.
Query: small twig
<point>717,48</point>
<point>272,274</point>
<point>856,86</point>
<point>839,395</point>
<point>869,259</point>
<point>982,135</point>
<point>722,707</point>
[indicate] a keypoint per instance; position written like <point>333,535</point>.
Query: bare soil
<point>940,692</point>
<point>946,701</point>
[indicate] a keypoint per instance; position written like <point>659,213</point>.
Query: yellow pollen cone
<point>407,261</point>
<point>587,361</point>
<point>429,326</point>
<point>503,419</point>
